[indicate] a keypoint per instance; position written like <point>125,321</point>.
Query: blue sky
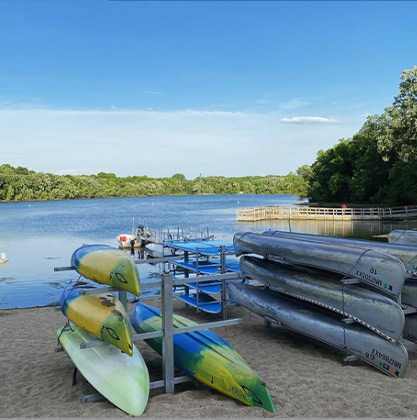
<point>226,88</point>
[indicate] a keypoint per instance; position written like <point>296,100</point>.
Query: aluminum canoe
<point>382,271</point>
<point>371,309</point>
<point>403,237</point>
<point>409,293</point>
<point>407,254</point>
<point>410,328</point>
<point>304,318</point>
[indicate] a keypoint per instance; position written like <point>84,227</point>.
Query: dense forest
<point>378,165</point>
<point>17,184</point>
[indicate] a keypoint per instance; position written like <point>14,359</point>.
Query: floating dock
<point>325,213</point>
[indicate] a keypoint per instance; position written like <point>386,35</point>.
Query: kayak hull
<point>121,379</point>
<point>102,315</point>
<point>106,265</point>
<point>206,357</point>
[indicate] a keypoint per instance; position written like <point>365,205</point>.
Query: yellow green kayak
<point>106,265</point>
<point>102,315</point>
<point>123,380</point>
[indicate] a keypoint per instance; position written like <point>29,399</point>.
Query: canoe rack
<point>166,282</point>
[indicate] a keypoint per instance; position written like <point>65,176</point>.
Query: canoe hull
<point>106,265</point>
<point>390,358</point>
<point>377,312</point>
<point>409,293</point>
<point>123,380</point>
<point>380,270</point>
<point>403,237</point>
<point>206,357</point>
<point>404,252</point>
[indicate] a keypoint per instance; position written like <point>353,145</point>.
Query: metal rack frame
<point>168,331</point>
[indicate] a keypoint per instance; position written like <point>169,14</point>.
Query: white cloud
<point>308,120</point>
<point>161,143</point>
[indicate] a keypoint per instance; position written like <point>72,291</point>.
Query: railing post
<point>168,329</point>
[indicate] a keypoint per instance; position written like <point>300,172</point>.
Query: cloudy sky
<point>217,88</point>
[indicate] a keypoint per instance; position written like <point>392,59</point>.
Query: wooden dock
<point>323,213</point>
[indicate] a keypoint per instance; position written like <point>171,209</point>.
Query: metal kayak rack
<point>166,282</point>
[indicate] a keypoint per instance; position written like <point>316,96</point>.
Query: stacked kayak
<point>121,379</point>
<point>102,315</point>
<point>116,369</point>
<point>304,291</point>
<point>106,265</point>
<point>206,357</point>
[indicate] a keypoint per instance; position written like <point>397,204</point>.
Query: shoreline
<point>141,196</point>
<point>306,378</point>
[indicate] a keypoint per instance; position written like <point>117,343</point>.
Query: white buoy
<point>3,258</point>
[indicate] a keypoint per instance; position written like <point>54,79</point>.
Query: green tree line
<point>22,184</point>
<point>378,165</point>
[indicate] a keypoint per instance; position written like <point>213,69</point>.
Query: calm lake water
<point>39,236</point>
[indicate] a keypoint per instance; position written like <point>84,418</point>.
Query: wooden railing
<point>317,213</point>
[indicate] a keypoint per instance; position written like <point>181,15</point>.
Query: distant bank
<point>22,184</point>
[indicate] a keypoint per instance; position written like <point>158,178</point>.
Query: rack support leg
<point>168,338</point>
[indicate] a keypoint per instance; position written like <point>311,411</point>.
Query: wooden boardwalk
<point>323,213</point>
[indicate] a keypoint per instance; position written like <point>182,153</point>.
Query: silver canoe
<point>410,328</point>
<point>409,293</point>
<point>403,237</point>
<point>382,271</point>
<point>390,358</point>
<point>373,310</point>
<point>407,254</point>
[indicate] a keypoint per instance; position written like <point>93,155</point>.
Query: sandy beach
<point>305,378</point>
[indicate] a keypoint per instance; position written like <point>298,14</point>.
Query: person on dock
<point>132,246</point>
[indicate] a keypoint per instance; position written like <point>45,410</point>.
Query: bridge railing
<point>327,213</point>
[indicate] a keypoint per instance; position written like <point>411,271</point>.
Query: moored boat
<point>126,240</point>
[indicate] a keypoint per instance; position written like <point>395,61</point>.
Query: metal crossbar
<point>168,331</point>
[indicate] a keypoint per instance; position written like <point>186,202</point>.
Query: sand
<point>305,378</point>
